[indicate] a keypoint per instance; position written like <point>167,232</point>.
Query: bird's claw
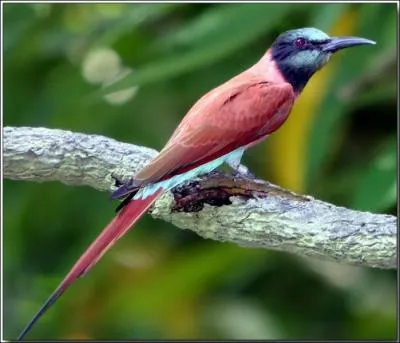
<point>243,172</point>
<point>117,181</point>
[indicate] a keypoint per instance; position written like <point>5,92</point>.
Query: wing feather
<point>232,115</point>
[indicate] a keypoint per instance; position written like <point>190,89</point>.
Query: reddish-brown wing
<point>233,115</point>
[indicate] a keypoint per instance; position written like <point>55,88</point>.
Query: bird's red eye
<point>300,42</point>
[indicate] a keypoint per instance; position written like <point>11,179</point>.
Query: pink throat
<point>268,67</point>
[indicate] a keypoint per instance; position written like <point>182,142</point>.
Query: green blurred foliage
<point>160,282</point>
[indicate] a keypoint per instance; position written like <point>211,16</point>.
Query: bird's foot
<point>243,172</point>
<point>117,181</point>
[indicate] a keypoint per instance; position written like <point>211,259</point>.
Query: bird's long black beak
<point>338,43</point>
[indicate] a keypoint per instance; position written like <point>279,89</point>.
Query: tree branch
<point>251,213</point>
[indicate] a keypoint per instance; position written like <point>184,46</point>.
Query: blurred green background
<point>159,282</point>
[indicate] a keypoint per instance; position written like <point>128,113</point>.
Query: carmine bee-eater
<point>217,129</point>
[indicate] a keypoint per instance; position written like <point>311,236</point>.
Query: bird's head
<point>300,53</point>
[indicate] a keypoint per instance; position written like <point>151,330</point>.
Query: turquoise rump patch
<point>233,158</point>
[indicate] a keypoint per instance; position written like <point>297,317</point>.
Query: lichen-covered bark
<point>250,213</point>
<point>40,154</point>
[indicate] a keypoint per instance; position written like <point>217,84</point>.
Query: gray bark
<point>251,213</point>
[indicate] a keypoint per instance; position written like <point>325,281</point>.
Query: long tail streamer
<point>128,216</point>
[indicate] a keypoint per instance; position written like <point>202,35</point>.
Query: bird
<point>217,129</point>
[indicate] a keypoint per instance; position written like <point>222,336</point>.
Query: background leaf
<point>220,32</point>
<point>376,189</point>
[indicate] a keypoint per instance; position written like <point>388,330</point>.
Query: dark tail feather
<point>125,202</point>
<point>128,188</point>
<point>114,230</point>
<point>50,301</point>
<point>125,191</point>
